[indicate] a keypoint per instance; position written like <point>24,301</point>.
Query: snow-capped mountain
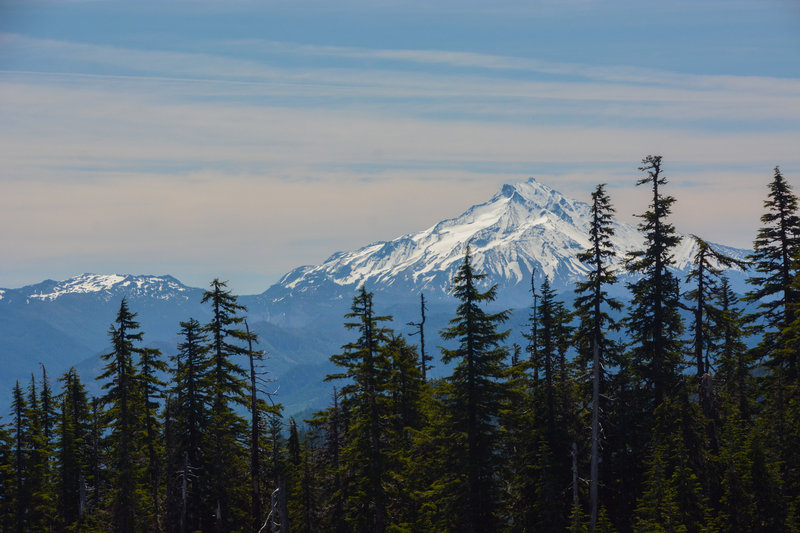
<point>526,227</point>
<point>65,323</point>
<point>103,286</point>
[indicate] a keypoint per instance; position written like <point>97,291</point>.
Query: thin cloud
<point>722,97</point>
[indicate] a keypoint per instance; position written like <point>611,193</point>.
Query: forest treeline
<point>613,417</point>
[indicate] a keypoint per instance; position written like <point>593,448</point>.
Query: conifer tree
<point>122,399</point>
<point>774,251</point>
<point>553,417</point>
<point>225,466</point>
<point>47,411</point>
<point>97,452</point>
<point>295,487</point>
<point>174,518</point>
<point>365,362</point>
<point>41,504</point>
<point>474,398</point>
<point>706,272</point>
<point>151,389</point>
<point>532,335</point>
<point>189,413</point>
<point>276,473</point>
<point>6,480</point>
<point>734,363</point>
<point>333,480</point>
<point>654,323</point>
<point>518,426</point>
<point>651,367</point>
<point>261,416</point>
<point>592,305</point>
<point>405,391</point>
<point>73,450</point>
<point>673,498</point>
<point>548,351</point>
<point>751,499</point>
<point>21,493</point>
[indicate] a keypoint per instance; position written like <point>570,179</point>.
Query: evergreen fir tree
<point>405,391</point>
<point>751,497</point>
<point>123,418</point>
<point>776,287</point>
<point>6,480</point>
<point>474,397</point>
<point>151,392</point>
<point>21,489</point>
<point>548,347</point>
<point>774,251</point>
<point>225,462</point>
<point>73,450</point>
<point>332,481</point>
<point>47,410</point>
<point>706,272</point>
<point>98,480</point>
<point>734,363</point>
<point>592,306</point>
<point>517,422</point>
<point>41,504</point>
<point>366,365</point>
<point>654,324</point>
<point>673,499</point>
<point>190,415</point>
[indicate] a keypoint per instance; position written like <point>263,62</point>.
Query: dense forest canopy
<point>614,417</point>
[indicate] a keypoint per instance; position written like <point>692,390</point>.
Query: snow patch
<point>161,287</point>
<point>525,226</point>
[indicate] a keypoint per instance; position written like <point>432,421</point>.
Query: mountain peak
<point>532,192</point>
<point>107,286</point>
<point>526,227</point>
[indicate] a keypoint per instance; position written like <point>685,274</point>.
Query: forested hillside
<point>611,416</point>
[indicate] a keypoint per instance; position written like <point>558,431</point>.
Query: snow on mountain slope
<point>526,227</point>
<point>107,286</point>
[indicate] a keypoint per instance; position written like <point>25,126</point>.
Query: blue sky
<point>242,139</point>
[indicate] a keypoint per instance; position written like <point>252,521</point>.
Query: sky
<point>241,139</point>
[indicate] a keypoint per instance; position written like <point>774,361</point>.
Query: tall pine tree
<point>474,398</point>
<point>123,420</point>
<point>654,324</point>
<point>592,305</point>
<point>365,363</point>
<point>225,466</point>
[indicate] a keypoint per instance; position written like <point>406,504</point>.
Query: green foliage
<point>593,306</point>
<point>706,275</point>
<point>653,323</point>
<point>491,447</point>
<point>734,363</point>
<point>774,251</point>
<point>474,396</point>
<point>189,420</point>
<point>123,412</point>
<point>673,498</point>
<point>74,445</point>
<point>225,460</point>
<point>7,492</point>
<point>368,367</point>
